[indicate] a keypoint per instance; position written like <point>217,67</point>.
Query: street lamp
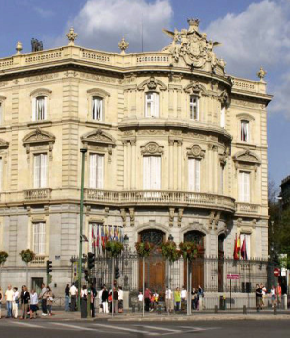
<point>170,238</point>
<point>83,151</point>
<point>126,240</point>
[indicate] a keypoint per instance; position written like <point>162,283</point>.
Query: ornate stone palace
<point>174,146</point>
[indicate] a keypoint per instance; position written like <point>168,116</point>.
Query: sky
<point>252,33</point>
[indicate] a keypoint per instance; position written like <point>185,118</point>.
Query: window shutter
<point>156,104</point>
<point>248,245</point>
<point>241,186</point>
<point>45,108</point>
<point>41,238</point>
<point>36,171</point>
<point>100,172</point>
<point>146,172</point>
<point>1,113</point>
<point>43,171</point>
<point>191,174</point>
<point>93,171</point>
<point>35,238</point>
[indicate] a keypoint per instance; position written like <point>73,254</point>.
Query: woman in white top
<point>15,303</point>
<point>33,304</point>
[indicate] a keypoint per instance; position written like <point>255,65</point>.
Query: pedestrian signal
<point>117,273</point>
<point>91,260</point>
<point>48,267</point>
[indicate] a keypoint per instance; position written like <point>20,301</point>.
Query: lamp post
<point>83,151</point>
<point>170,239</point>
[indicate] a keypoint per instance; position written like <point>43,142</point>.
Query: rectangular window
<point>244,186</point>
<point>245,131</point>
<point>245,246</point>
<point>194,107</point>
<point>152,172</point>
<point>40,171</point>
<point>40,108</point>
<point>223,117</point>
<point>39,238</point>
<point>152,105</point>
<point>96,171</point>
<point>193,174</point>
<point>97,108</point>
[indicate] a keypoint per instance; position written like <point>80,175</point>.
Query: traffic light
<point>48,267</point>
<point>117,273</point>
<point>86,275</point>
<point>91,260</point>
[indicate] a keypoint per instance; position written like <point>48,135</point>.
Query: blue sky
<point>253,33</point>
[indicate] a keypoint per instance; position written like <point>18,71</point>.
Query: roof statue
<point>193,47</point>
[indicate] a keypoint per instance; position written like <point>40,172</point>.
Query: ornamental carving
<point>37,138</point>
<point>195,151</point>
<point>224,98</point>
<point>195,88</point>
<point>3,144</point>
<point>98,136</point>
<point>98,92</point>
<point>152,148</point>
<point>193,47</point>
<point>246,156</point>
<point>152,84</point>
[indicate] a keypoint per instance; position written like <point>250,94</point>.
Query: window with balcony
<point>40,171</point>
<point>39,112</point>
<point>245,131</point>
<point>39,238</point>
<point>245,246</point>
<point>193,174</point>
<point>244,186</point>
<point>97,108</point>
<point>96,171</point>
<point>194,107</point>
<point>152,104</point>
<point>152,172</point>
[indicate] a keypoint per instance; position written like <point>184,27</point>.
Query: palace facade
<point>174,146</point>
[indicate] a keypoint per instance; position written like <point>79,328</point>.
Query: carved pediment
<point>41,92</point>
<point>38,136</point>
<point>3,144</point>
<point>98,92</point>
<point>195,88</point>
<point>152,84</point>
<point>195,151</point>
<point>98,136</point>
<point>246,156</point>
<point>152,148</point>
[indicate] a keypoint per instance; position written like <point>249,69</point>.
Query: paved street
<point>16,328</point>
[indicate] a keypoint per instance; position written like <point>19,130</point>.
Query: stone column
<point>179,164</point>
<point>125,164</point>
<point>171,165</point>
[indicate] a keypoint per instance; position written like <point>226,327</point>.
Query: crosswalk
<point>132,329</point>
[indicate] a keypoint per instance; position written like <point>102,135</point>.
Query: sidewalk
<point>266,314</point>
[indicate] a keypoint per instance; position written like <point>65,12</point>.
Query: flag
<point>93,237</point>
<point>236,255</point>
<point>98,237</point>
<point>106,234</point>
<point>103,237</point>
<point>239,247</point>
<point>244,250</point>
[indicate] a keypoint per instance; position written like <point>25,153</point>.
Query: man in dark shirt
<point>259,295</point>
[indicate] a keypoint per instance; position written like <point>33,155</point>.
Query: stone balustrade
<point>39,260</point>
<point>37,194</point>
<point>247,208</point>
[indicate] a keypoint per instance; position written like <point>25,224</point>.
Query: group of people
<point>174,300</point>
<point>261,292</point>
<point>111,300</point>
<point>27,301</point>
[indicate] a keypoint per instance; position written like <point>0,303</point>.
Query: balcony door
<point>151,175</point>
<point>154,265</point>
<point>198,264</point>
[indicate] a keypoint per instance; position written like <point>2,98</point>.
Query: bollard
<point>215,309</point>
<point>275,309</point>
<point>244,310</point>
<point>285,302</point>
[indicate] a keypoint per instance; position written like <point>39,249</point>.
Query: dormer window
<point>245,136</point>
<point>194,107</point>
<point>40,108</point>
<point>152,104</point>
<point>97,108</point>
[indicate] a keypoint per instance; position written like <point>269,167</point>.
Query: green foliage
<point>114,248</point>
<point>283,236</point>
<point>27,255</point>
<point>3,257</point>
<point>189,250</point>
<point>170,252</point>
<point>144,248</point>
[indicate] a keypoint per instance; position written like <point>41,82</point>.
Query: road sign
<point>276,272</point>
<point>233,276</point>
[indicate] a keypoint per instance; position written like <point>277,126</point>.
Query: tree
<point>27,256</point>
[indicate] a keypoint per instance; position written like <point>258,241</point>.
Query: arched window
<point>151,104</point>
<point>153,236</point>
<point>245,131</point>
<point>97,108</point>
<point>40,98</point>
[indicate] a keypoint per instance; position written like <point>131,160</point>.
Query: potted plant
<point>144,248</point>
<point>115,248</point>
<point>170,252</point>
<point>3,257</point>
<point>27,256</point>
<point>189,250</point>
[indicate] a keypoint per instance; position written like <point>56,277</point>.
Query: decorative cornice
<point>98,92</point>
<point>98,136</point>
<point>3,144</point>
<point>38,136</point>
<point>246,156</point>
<point>195,88</point>
<point>41,92</point>
<point>195,151</point>
<point>152,84</point>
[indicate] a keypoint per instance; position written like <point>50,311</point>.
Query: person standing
<point>105,296</point>
<point>120,299</point>
<point>73,297</point>
<point>1,297</point>
<point>147,299</point>
<point>100,300</point>
<point>25,297</point>
<point>259,295</point>
<point>66,293</point>
<point>168,300</point>
<point>183,295</point>
<point>273,296</point>
<point>9,299</point>
<point>193,299</point>
<point>93,297</point>
<point>33,304</point>
<point>43,299</point>
<point>84,300</point>
<point>49,298</point>
<point>15,304</point>
<point>278,295</point>
<point>115,300</point>
<point>177,299</point>
<point>200,297</point>
<point>140,301</point>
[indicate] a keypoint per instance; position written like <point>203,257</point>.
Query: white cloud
<point>44,13</point>
<point>102,23</point>
<point>258,36</point>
